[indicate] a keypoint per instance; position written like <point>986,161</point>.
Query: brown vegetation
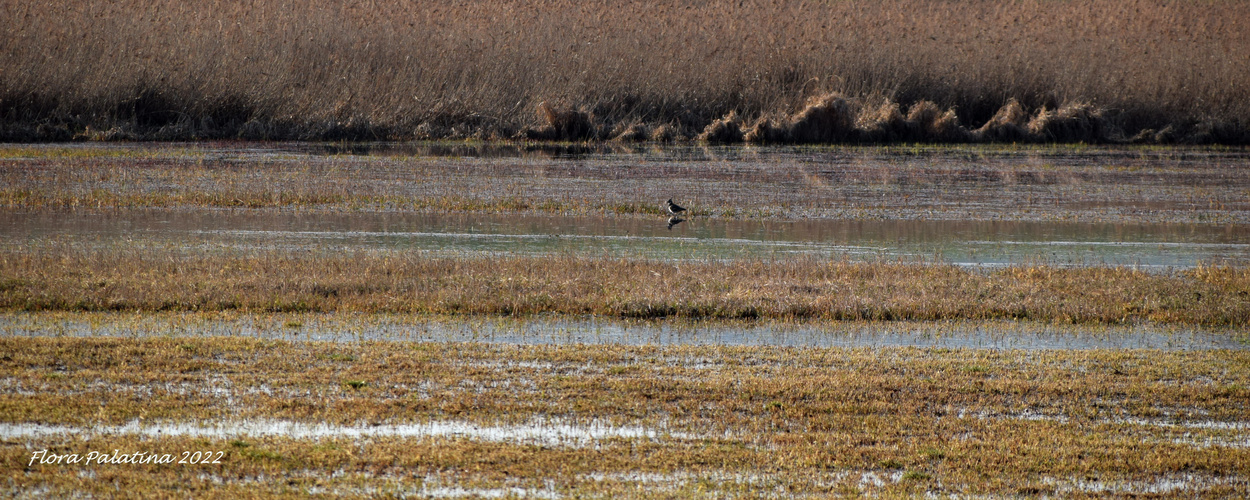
<point>1089,70</point>
<point>730,420</point>
<point>62,278</point>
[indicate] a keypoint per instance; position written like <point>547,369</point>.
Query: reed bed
<point>748,421</point>
<point>1088,70</point>
<point>66,278</point>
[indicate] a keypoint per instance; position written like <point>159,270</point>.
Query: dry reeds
<point>1138,70</point>
<point>831,118</point>
<point>563,124</point>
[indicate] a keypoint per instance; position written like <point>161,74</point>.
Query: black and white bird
<point>673,208</point>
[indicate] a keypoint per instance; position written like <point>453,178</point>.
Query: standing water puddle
<point>543,432</point>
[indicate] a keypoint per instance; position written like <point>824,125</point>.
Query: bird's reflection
<point>673,221</point>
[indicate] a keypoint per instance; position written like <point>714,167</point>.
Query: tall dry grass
<point>666,69</point>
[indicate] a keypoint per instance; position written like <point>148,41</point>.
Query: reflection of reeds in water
<point>1086,70</point>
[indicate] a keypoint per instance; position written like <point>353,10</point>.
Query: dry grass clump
<point>633,132</point>
<point>108,70</point>
<point>563,125</point>
<point>664,133</point>
<point>1007,125</point>
<point>727,420</point>
<point>936,125</point>
<point>725,130</point>
<point>56,278</point>
<point>885,121</point>
<point>1073,122</point>
<point>833,119</point>
<point>826,119</point>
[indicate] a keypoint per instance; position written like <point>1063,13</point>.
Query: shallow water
<point>970,205</point>
<point>1149,208</point>
<point>974,243</point>
<point>552,433</point>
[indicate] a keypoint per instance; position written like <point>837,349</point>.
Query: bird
<point>673,208</point>
<point>673,221</point>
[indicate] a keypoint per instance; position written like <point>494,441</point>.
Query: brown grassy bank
<point>1088,70</point>
<point>55,278</point>
<point>747,421</point>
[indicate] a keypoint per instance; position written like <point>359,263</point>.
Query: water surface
<point>977,243</point>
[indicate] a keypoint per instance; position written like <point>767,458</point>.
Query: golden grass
<point>65,278</point>
<point>813,421</point>
<point>367,70</point>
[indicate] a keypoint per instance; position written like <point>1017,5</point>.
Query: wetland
<point>1004,260</point>
<point>473,320</point>
<point>416,418</point>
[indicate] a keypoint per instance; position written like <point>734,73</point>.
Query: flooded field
<point>1150,208</point>
<point>461,320</point>
<point>563,421</point>
<point>975,243</point>
<point>982,183</point>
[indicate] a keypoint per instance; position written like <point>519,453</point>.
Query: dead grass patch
<point>64,278</point>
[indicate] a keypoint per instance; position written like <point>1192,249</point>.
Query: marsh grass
<point>1031,70</point>
<point>66,278</point>
<point>815,421</point>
